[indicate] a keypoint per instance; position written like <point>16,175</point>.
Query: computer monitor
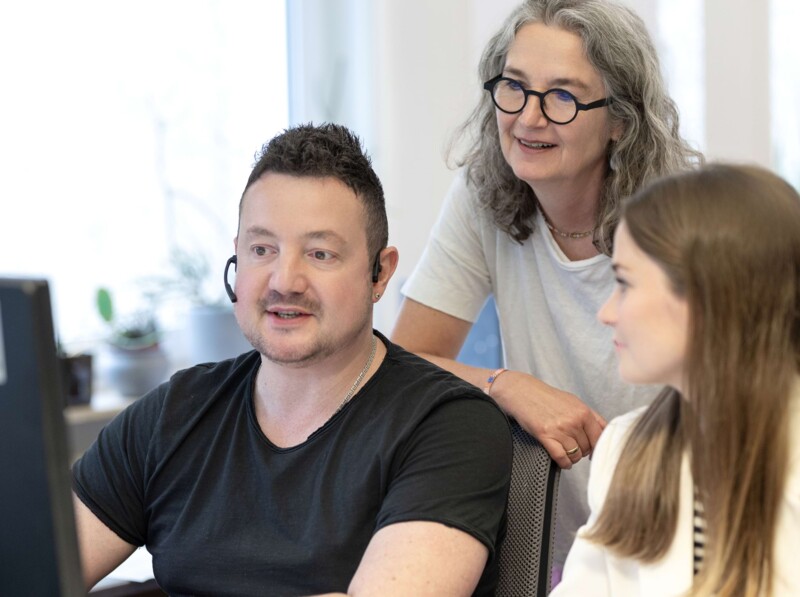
<point>38,544</point>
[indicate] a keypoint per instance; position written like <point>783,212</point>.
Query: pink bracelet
<point>490,381</point>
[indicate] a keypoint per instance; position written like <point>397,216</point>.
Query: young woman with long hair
<point>699,493</point>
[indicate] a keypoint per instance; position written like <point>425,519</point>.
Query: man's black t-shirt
<point>187,472</point>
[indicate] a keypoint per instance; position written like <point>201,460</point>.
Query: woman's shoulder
<point>621,425</point>
<point>462,189</point>
<point>616,432</point>
<point>625,421</point>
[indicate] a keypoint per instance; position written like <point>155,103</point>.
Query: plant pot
<point>135,371</point>
<point>213,334</point>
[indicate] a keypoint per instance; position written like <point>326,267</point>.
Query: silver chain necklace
<point>360,375</point>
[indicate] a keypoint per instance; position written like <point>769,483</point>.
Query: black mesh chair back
<point>526,553</point>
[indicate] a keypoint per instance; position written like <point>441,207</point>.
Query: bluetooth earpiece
<point>376,269</point>
<point>228,289</point>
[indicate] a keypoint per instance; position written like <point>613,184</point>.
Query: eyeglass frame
<point>579,107</point>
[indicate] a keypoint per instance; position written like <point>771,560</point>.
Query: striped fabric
<point>699,534</point>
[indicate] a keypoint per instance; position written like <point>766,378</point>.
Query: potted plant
<point>212,333</point>
<point>136,362</point>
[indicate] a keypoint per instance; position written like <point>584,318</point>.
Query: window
<point>129,133</point>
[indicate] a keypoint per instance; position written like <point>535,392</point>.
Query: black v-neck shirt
<point>187,472</point>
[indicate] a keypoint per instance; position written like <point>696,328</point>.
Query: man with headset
<point>328,459</point>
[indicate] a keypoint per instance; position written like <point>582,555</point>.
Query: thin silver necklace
<point>572,235</point>
<point>360,375</point>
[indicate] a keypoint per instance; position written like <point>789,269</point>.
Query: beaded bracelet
<point>487,388</point>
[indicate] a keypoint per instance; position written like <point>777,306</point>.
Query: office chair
<point>526,554</point>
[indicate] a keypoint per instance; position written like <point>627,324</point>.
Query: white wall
<point>737,81</point>
<point>425,88</point>
<point>421,61</point>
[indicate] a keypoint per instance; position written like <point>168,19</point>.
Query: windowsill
<point>85,422</point>
<point>102,404</point>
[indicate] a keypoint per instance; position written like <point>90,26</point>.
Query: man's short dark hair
<point>328,150</point>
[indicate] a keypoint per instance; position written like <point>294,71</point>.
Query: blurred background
<point>128,130</point>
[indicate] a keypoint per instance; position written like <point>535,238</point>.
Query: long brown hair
<point>618,46</point>
<point>728,238</point>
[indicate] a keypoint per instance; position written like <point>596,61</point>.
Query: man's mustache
<point>292,299</point>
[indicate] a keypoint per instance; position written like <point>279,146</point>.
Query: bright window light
<point>128,133</point>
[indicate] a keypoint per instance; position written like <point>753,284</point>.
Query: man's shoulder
<point>189,389</point>
<point>403,362</point>
<point>420,381</point>
<point>218,370</point>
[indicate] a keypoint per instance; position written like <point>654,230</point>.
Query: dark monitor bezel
<point>38,541</point>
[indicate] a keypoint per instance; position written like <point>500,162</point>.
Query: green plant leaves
<point>104,305</point>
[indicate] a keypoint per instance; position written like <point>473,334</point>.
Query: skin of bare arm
<point>558,419</point>
<point>419,558</point>
<point>101,549</point>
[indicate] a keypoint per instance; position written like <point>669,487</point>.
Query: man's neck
<point>291,402</point>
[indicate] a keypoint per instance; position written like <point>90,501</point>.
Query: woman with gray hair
<point>575,118</point>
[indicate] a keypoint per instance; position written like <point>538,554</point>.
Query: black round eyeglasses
<point>559,106</point>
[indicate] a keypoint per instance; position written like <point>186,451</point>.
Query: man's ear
<point>387,264</point>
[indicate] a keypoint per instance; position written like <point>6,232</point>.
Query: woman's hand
<point>559,420</point>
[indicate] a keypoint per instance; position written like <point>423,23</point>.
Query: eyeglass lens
<point>557,105</point>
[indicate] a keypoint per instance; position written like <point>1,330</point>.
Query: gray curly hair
<point>617,44</point>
